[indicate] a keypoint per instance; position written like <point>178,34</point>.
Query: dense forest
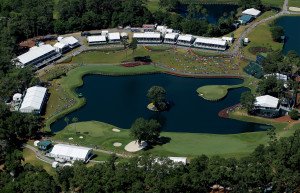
<point>275,166</point>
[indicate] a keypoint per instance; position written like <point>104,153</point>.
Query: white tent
<point>278,76</point>
<point>70,152</point>
<point>71,41</point>
<point>35,55</point>
<point>254,12</point>
<point>114,37</point>
<point>61,47</point>
<point>33,100</point>
<point>95,40</point>
<point>266,101</point>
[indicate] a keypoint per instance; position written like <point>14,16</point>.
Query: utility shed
<point>64,152</point>
<point>34,100</point>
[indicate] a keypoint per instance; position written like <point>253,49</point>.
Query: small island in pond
<point>215,92</point>
<point>157,98</point>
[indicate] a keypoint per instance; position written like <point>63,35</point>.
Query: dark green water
<point>215,11</point>
<point>120,100</point>
<point>291,27</point>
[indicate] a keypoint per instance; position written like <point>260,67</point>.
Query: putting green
<point>215,92</point>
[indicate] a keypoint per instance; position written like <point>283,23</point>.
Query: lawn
<point>177,59</point>
<point>181,144</point>
<point>215,92</point>
<point>260,41</point>
<point>29,157</point>
<point>294,3</point>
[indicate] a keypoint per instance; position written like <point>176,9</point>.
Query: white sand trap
<point>81,137</point>
<point>116,130</point>
<point>71,138</point>
<point>134,146</point>
<point>117,144</point>
<point>294,8</point>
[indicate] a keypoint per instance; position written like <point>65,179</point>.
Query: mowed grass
<point>94,134</point>
<point>29,157</point>
<point>183,60</point>
<point>261,37</point>
<point>215,92</point>
<point>294,3</point>
<point>181,144</point>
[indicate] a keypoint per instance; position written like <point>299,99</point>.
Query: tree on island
<point>145,130</point>
<point>157,95</point>
<point>294,114</point>
<point>247,101</point>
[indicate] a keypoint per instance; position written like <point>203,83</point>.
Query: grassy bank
<point>29,157</point>
<point>261,41</point>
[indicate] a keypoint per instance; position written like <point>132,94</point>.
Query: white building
<point>61,47</point>
<point>253,12</point>
<point>96,40</point>
<point>171,38</point>
<point>34,100</point>
<point>185,40</point>
<point>70,41</point>
<point>228,39</point>
<point>210,43</point>
<point>37,56</point>
<point>114,38</point>
<point>266,102</point>
<point>278,76</point>
<point>64,152</point>
<point>150,37</point>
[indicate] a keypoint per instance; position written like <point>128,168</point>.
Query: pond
<point>292,31</point>
<point>120,100</point>
<point>214,11</point>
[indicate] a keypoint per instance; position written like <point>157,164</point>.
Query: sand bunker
<point>134,146</point>
<point>116,130</point>
<point>294,8</point>
<point>117,144</point>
